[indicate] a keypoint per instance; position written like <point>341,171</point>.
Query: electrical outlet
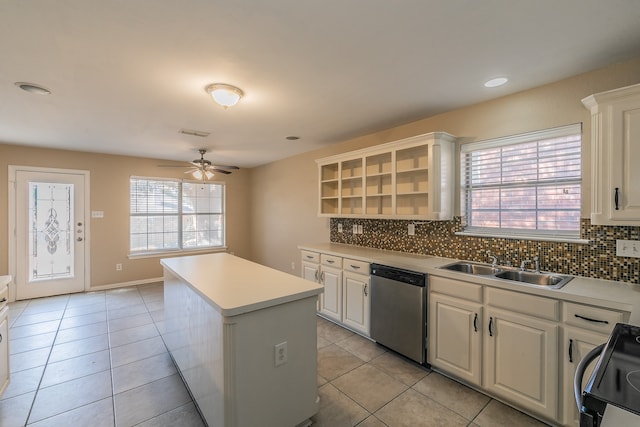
<point>293,265</point>
<point>118,267</point>
<point>628,248</point>
<point>411,229</point>
<point>339,227</point>
<point>360,229</point>
<point>355,229</point>
<point>281,353</point>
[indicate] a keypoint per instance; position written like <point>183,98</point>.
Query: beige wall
<point>284,196</point>
<point>109,177</point>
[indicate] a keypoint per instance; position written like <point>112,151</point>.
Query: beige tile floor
<point>98,359</point>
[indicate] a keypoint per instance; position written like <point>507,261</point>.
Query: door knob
<point>79,239</point>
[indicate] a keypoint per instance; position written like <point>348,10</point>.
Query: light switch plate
<point>411,229</point>
<point>97,214</point>
<point>628,248</point>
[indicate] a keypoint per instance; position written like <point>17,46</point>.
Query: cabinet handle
<point>365,290</point>
<point>355,267</point>
<point>616,198</point>
<point>3,300</point>
<point>475,322</point>
<point>0,337</point>
<point>322,277</point>
<point>316,275</point>
<point>490,326</point>
<point>570,351</point>
<point>591,320</point>
<point>330,261</point>
<point>309,256</point>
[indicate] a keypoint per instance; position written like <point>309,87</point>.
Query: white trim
<point>541,238</point>
<point>165,254</point>
<point>558,132</point>
<point>12,171</point>
<point>125,284</point>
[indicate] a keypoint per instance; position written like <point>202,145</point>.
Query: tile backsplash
<point>597,259</point>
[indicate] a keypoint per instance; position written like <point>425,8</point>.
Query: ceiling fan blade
<point>225,167</point>
<point>216,170</point>
<point>174,166</point>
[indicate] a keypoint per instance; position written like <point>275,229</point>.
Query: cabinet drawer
<point>591,318</point>
<point>355,266</point>
<point>310,256</point>
<point>455,288</point>
<point>544,308</point>
<point>330,260</point>
<point>4,297</point>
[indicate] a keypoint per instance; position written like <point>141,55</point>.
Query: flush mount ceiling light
<point>33,88</point>
<point>224,94</point>
<point>498,81</point>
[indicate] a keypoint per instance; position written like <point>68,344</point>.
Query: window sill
<point>180,252</point>
<point>560,239</point>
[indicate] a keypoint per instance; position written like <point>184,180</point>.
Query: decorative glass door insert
<point>51,225</point>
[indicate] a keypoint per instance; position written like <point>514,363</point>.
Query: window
<point>527,185</point>
<point>171,215</point>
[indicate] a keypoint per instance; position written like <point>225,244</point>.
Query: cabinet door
<point>331,301</point>
<point>625,154</point>
<point>521,360</point>
<point>4,350</point>
<point>455,337</point>
<point>355,303</point>
<point>310,271</point>
<point>576,344</point>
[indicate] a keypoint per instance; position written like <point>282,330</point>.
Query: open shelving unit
<point>407,179</point>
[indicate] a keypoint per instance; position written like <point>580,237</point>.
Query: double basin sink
<point>512,274</point>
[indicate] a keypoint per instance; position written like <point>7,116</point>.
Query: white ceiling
<point>126,75</point>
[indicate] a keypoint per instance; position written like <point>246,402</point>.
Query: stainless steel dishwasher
<point>398,310</point>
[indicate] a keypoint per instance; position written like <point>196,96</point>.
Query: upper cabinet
<point>407,179</point>
<point>615,155</point>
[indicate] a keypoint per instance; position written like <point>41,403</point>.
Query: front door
<point>50,232</point>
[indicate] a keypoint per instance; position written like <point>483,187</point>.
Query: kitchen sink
<point>472,268</point>
<point>542,279</point>
<point>553,281</point>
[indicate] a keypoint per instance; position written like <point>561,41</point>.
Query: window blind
<point>525,184</point>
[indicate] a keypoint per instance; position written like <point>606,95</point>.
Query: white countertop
<point>603,293</point>
<point>235,286</point>
<point>5,280</point>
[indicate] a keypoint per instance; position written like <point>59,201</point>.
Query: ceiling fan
<point>202,168</point>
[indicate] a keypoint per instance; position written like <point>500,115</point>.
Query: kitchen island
<point>243,337</point>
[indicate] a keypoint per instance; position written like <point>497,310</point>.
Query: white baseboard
<point>125,284</point>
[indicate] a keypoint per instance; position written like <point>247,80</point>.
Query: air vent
<point>192,132</point>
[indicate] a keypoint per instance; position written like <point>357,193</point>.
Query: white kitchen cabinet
<point>456,338</point>
<point>331,299</point>
<point>408,179</point>
<point>356,295</point>
<point>615,154</point>
<point>520,357</point>
<point>585,327</point>
<point>455,328</point>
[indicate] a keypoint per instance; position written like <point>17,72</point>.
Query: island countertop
<point>235,286</point>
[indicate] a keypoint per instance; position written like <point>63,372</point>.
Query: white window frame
<point>179,214</point>
<point>516,233</point>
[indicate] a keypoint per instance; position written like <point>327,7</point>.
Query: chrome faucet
<point>535,261</point>
<point>494,258</point>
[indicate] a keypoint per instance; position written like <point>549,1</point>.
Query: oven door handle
<point>580,370</point>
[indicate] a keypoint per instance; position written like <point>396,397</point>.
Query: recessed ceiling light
<point>33,88</point>
<point>293,138</point>
<point>498,81</point>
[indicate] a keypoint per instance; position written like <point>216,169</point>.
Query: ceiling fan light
<point>208,174</point>
<point>224,94</point>
<point>197,174</point>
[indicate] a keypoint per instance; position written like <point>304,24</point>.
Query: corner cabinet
<point>408,179</point>
<point>615,154</point>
